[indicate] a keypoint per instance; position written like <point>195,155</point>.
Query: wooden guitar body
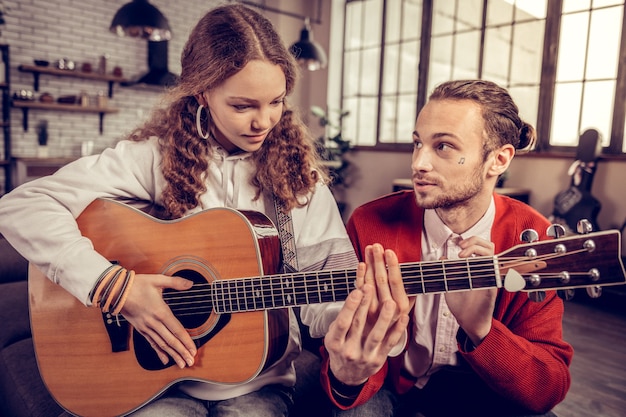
<point>74,349</point>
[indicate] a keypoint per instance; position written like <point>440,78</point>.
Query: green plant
<point>332,147</point>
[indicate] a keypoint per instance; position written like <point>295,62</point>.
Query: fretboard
<point>314,287</point>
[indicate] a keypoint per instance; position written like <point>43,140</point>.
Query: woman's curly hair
<point>221,44</point>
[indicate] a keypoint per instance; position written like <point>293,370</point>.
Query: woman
<point>224,137</point>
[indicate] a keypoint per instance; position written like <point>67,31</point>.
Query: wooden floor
<point>598,335</point>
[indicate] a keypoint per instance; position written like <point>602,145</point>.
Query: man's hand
<point>473,310</point>
<point>146,310</point>
<point>372,320</point>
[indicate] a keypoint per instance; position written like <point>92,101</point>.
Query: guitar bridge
<point>118,331</point>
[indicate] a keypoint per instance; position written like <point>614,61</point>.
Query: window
<point>559,59</point>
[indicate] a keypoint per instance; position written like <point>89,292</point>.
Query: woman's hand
<point>146,310</point>
<point>372,320</point>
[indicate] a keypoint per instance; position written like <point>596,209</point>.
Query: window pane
<point>352,67</point>
<point>412,20</point>
<point>407,114</point>
<point>409,67</point>
<point>527,53</point>
<point>597,108</point>
<point>575,5</point>
<point>391,69</point>
<point>467,52</point>
<point>394,14</point>
<point>469,15</point>
<point>565,117</point>
<point>604,43</point>
<point>530,9</point>
<point>372,23</point>
<point>496,61</point>
<point>499,12</point>
<point>388,119</point>
<point>349,125</point>
<point>353,34</point>
<point>443,17</point>
<point>370,72</point>
<point>368,119</point>
<point>527,99</point>
<point>572,41</point>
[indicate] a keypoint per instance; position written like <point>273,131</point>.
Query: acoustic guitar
<point>97,365</point>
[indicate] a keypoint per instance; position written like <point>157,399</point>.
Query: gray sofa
<point>22,391</point>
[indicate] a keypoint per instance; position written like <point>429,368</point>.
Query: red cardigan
<point>524,357</point>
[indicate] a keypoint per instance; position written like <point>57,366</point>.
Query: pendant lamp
<point>309,53</point>
<point>141,19</point>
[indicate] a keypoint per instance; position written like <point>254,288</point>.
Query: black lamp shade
<point>141,19</point>
<point>309,53</point>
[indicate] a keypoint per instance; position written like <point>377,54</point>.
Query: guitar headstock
<point>588,260</point>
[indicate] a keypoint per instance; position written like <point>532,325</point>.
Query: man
<point>468,353</point>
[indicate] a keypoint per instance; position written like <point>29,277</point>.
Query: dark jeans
<point>452,392</point>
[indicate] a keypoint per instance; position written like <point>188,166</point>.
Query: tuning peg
<point>556,230</point>
<point>567,294</point>
<point>537,296</point>
<point>594,291</point>
<point>584,226</point>
<point>529,236</point>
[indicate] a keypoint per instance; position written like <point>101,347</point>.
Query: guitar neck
<point>302,288</point>
<point>569,262</point>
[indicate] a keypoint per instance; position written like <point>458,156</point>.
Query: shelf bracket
<point>25,118</point>
<point>101,122</point>
<point>110,89</point>
<point>36,81</point>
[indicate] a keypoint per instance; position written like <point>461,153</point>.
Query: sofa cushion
<point>22,391</point>
<point>13,267</point>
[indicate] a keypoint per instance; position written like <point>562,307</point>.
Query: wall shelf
<point>25,105</point>
<point>36,70</point>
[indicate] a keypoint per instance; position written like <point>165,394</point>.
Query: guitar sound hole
<point>193,306</point>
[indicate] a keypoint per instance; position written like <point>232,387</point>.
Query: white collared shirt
<point>433,334</point>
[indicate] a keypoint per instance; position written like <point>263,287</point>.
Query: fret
<point>300,293</point>
<point>250,300</point>
<point>230,295</point>
<point>469,273</point>
<point>341,287</point>
<point>239,295</point>
<point>315,296</point>
<point>431,273</point>
<point>218,302</point>
<point>496,268</point>
<point>458,278</point>
<point>326,289</point>
<point>267,293</point>
<point>286,286</point>
<point>445,278</point>
<point>255,288</point>
<point>273,294</point>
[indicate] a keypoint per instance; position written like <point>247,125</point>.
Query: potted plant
<point>332,148</point>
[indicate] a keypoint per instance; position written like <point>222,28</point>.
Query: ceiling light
<point>309,53</point>
<point>140,19</point>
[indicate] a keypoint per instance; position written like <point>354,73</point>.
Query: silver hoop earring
<point>204,135</point>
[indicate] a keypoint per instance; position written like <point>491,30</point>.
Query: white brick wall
<point>79,30</point>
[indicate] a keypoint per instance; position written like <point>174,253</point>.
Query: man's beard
<point>458,195</point>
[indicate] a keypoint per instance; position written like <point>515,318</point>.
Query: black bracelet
<point>344,392</point>
<point>466,343</point>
